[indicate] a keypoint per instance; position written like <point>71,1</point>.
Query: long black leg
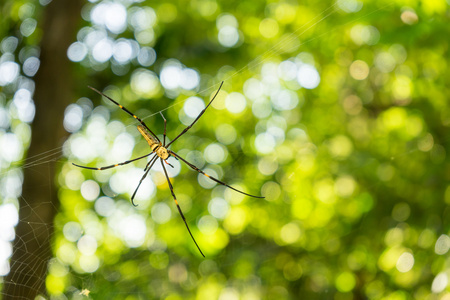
<point>210,177</point>
<point>147,169</point>
<point>126,110</point>
<point>113,166</point>
<point>198,117</point>
<point>164,134</point>
<point>178,206</point>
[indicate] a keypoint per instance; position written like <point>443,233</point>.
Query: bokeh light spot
<point>90,190</point>
<point>442,244</point>
<point>142,18</point>
<point>345,282</point>
<point>9,216</point>
<point>362,34</point>
<point>74,179</point>
<point>73,118</point>
<point>112,15</point>
<point>359,70</point>
<point>193,106</point>
<point>87,245</point>
<point>72,231</point>
<point>89,263</point>
<point>268,165</point>
<point>268,28</point>
<point>105,206</point>
<point>235,102</point>
<point>103,50</point>
<point>345,186</point>
<point>31,66</point>
<point>402,87</point>
<point>77,51</point>
<point>204,181</point>
<point>290,233</point>
<point>340,147</point>
<point>284,100</point>
<point>401,212</point>
<point>287,70</point>
<point>253,88</point>
<point>8,72</point>
<point>228,36</point>
<point>215,153</point>
<point>308,77</point>
<point>9,44</point>
<point>385,62</point>
<point>11,148</point>
<point>426,143</point>
<point>146,56</point>
<point>409,16</point>
<point>208,225</point>
<point>271,191</point>
<point>265,143</point>
<point>236,220</point>
<point>226,133</point>
<point>189,79</point>
<point>122,51</point>
<point>440,282</point>
<point>349,6</point>
<point>145,83</point>
<point>218,208</point>
<point>28,26</point>
<point>161,213</point>
<point>226,20</point>
<point>133,230</point>
<point>171,76</point>
<point>405,262</point>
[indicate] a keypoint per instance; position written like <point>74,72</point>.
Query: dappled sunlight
<point>335,113</point>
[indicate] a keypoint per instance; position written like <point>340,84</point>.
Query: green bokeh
<point>355,176</point>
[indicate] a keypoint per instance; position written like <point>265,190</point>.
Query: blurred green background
<point>336,112</point>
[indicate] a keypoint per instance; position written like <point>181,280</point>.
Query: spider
<point>162,151</point>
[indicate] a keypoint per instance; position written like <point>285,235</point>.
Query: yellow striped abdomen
<point>152,142</point>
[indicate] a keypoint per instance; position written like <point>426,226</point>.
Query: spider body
<point>161,150</point>
<point>155,145</point>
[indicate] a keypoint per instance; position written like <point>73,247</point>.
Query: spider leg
<point>168,163</point>
<point>126,110</point>
<point>164,134</point>
<point>198,117</point>
<point>147,169</point>
<point>178,206</point>
<point>113,166</point>
<point>210,177</point>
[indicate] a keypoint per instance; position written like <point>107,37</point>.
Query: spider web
<point>39,233</point>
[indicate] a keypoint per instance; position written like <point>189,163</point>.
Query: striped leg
<point>178,206</point>
<point>210,177</point>
<point>147,169</point>
<point>198,117</point>
<point>164,134</point>
<point>126,110</point>
<point>113,166</point>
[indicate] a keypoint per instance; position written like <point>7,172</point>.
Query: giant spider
<point>162,151</point>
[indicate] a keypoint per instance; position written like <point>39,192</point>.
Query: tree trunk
<point>39,201</point>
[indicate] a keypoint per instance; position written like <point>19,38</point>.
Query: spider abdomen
<point>152,142</point>
<point>156,146</point>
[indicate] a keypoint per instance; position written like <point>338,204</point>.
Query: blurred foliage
<point>354,170</point>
